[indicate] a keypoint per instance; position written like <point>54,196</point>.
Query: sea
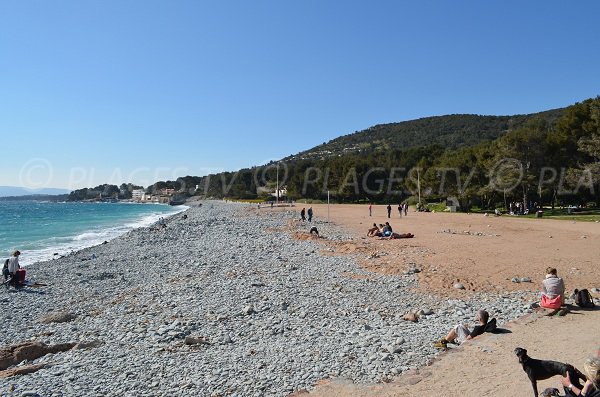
<point>44,230</point>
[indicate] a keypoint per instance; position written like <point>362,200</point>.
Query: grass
<point>588,215</point>
<point>437,207</point>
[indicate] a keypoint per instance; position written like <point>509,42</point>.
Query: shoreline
<point>277,316</point>
<point>78,240</point>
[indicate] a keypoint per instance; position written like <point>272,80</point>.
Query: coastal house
<point>166,191</point>
<point>137,194</point>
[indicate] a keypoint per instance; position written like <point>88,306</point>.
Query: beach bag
<point>548,303</point>
<point>583,298</point>
<point>21,275</point>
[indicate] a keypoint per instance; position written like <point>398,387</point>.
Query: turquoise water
<point>41,229</point>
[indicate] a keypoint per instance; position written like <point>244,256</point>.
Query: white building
<point>137,194</point>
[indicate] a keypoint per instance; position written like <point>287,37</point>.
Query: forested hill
<point>484,161</point>
<point>451,132</point>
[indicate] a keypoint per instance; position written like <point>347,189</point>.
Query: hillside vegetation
<point>547,158</point>
<point>452,131</point>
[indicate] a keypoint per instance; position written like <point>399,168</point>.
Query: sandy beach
<point>484,254</point>
<point>239,301</point>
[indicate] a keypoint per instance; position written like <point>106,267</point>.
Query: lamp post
<point>277,193</point>
<point>328,206</point>
<point>419,185</point>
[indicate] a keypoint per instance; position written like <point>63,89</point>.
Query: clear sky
<point>139,91</point>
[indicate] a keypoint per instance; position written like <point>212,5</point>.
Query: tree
<point>519,159</point>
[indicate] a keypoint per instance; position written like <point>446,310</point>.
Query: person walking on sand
<point>389,210</point>
<point>310,214</point>
<point>405,208</point>
<point>303,214</point>
<point>370,209</point>
<point>400,210</point>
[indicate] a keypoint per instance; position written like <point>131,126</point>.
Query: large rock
<point>24,370</point>
<point>58,317</point>
<point>196,340</point>
<point>412,317</point>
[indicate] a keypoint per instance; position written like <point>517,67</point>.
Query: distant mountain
<point>14,191</point>
<point>451,131</point>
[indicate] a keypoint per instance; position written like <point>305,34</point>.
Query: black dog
<point>544,369</point>
<point>550,392</point>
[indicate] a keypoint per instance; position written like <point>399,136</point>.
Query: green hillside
<point>548,158</point>
<point>451,131</point>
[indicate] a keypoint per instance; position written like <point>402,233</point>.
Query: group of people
<point>591,368</point>
<point>304,212</point>
<point>385,232</point>
<point>552,298</point>
<point>402,208</point>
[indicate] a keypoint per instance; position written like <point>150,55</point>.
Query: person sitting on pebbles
<point>461,333</point>
<point>553,292</point>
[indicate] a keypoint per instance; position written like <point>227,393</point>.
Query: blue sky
<point>139,91</point>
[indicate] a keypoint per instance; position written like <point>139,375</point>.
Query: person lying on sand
<point>394,236</point>
<point>386,233</point>
<point>461,333</point>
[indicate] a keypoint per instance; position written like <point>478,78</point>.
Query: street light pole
<point>328,206</point>
<point>419,185</point>
<point>277,193</point>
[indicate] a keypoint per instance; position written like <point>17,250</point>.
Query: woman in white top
<point>13,266</point>
<point>553,287</point>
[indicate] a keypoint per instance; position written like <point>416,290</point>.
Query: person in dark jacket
<point>461,333</point>
<point>591,388</point>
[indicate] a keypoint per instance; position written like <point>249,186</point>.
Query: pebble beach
<point>227,303</point>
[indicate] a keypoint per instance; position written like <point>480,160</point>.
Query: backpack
<point>583,298</point>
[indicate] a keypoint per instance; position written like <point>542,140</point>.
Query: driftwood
<point>12,355</point>
<point>27,369</point>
